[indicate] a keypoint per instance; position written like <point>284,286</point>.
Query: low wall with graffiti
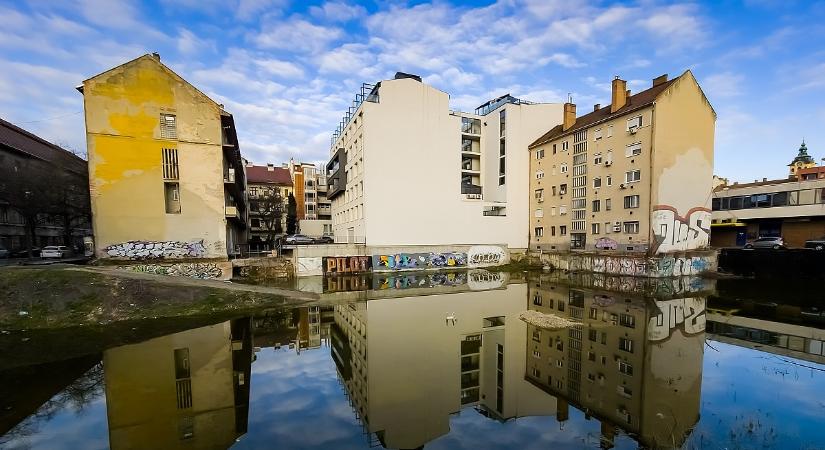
<point>637,265</point>
<point>369,259</point>
<point>217,270</point>
<point>137,250</point>
<point>473,279</point>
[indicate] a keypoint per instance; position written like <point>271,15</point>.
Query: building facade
<point>405,170</point>
<point>634,176</point>
<point>790,208</point>
<point>269,188</point>
<point>314,207</point>
<point>166,177</point>
<point>44,197</point>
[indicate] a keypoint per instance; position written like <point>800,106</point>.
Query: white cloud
<point>676,26</point>
<point>279,68</point>
<point>189,43</point>
<point>338,12</point>
<point>722,85</point>
<point>296,35</point>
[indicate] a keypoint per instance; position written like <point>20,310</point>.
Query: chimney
<point>764,180</point>
<point>270,167</point>
<point>659,80</point>
<point>619,97</point>
<point>156,55</point>
<point>596,107</point>
<point>569,116</point>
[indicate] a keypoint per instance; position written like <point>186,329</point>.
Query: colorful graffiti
<point>203,271</point>
<point>672,232</point>
<point>157,249</point>
<point>486,255</point>
<point>346,264</point>
<point>637,266</point>
<point>476,280</point>
<point>689,313</point>
<point>606,244</point>
<point>406,261</point>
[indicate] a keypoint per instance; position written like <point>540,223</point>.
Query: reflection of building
<point>184,390</point>
<point>634,175</point>
<point>631,365</point>
<point>164,165</point>
<point>313,327</point>
<point>796,341</point>
<point>467,169</point>
<point>409,363</point>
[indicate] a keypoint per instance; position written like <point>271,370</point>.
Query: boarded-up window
<point>168,126</point>
<point>170,163</point>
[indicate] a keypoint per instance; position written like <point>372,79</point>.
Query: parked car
<point>298,239</point>
<point>325,239</point>
<point>4,253</point>
<point>54,251</point>
<point>816,244</point>
<point>767,242</point>
<point>25,252</point>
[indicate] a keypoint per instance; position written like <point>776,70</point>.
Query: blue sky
<point>288,70</point>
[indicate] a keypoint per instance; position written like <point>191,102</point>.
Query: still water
<point>442,361</point>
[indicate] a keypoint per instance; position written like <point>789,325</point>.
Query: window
<point>597,158</point>
<point>565,146</point>
<point>626,344</point>
<point>596,205</point>
<point>539,213</point>
<point>502,155</point>
<point>597,182</point>
<point>552,210</point>
<point>169,157</point>
<point>634,149</point>
<point>594,228</point>
<point>631,227</point>
<point>609,130</point>
<point>168,126</point>
<point>623,390</point>
<point>608,180</point>
<point>562,230</point>
<point>562,210</point>
<point>593,314</point>
<point>632,176</point>
<point>597,134</point>
<point>563,168</point>
<point>540,195</point>
<point>625,368</point>
<point>577,240</point>
<point>608,159</point>
<point>552,231</point>
<point>634,123</point>
<point>171,195</point>
<point>540,153</point>
<point>631,201</point>
<point>579,203</point>
<point>539,174</point>
<point>563,189</point>
<point>607,204</point>
<point>554,149</point>
<point>626,320</point>
<point>539,232</point>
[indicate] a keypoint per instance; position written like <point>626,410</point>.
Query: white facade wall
<point>404,171</point>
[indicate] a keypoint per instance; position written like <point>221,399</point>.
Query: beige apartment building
<point>406,170</point>
<point>269,188</point>
<point>633,176</point>
<point>165,172</point>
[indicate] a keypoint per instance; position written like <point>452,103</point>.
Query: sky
<point>287,70</point>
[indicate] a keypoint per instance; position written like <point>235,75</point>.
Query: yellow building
<point>633,176</point>
<point>165,171</point>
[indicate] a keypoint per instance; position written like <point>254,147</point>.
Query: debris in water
<point>23,313</point>
<point>547,321</point>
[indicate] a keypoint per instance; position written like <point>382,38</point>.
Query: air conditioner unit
<point>631,130</point>
<point>621,186</point>
<point>608,163</point>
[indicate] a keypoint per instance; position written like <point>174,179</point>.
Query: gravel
<point>546,321</point>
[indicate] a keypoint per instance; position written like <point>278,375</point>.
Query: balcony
<point>229,176</point>
<point>232,212</point>
<point>495,211</point>
<point>471,126</point>
<point>470,189</point>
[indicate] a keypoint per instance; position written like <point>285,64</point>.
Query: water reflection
<point>417,361</point>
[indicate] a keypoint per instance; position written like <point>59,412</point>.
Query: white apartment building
<point>406,170</point>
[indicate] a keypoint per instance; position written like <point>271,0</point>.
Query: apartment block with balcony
<point>406,170</point>
<point>632,176</point>
<point>269,188</point>
<point>165,171</point>
<point>314,207</point>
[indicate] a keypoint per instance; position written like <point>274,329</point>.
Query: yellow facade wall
<point>123,108</point>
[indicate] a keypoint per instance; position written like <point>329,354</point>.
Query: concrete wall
<point>122,108</point>
<point>313,227</point>
<point>669,265</point>
<point>682,168</point>
<point>406,150</point>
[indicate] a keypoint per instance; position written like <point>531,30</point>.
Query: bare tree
<point>31,193</point>
<point>271,209</point>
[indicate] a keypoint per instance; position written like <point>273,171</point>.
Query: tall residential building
<point>314,207</point>
<point>632,176</point>
<point>44,185</point>
<point>165,170</point>
<point>405,170</point>
<point>269,188</point>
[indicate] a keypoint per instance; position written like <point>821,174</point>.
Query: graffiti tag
<point>674,233</point>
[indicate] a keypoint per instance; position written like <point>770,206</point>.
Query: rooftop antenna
<point>569,98</point>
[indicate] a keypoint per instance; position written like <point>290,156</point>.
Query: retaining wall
<point>633,264</point>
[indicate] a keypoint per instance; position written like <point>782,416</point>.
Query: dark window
<point>715,204</point>
<point>780,199</point>
<point>725,203</point>
<point>736,203</point>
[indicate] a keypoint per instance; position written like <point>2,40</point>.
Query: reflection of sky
<point>297,402</point>
<point>763,400</point>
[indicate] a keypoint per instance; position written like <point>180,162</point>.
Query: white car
<point>54,251</point>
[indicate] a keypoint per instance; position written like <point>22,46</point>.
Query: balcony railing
<point>470,189</point>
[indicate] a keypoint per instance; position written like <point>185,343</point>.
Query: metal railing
<point>369,93</point>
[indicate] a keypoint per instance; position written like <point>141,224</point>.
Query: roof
<point>33,146</point>
<point>725,187</point>
<point>262,174</point>
<point>802,156</point>
<point>634,103</point>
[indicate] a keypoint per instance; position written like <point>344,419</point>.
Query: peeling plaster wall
<point>123,108</point>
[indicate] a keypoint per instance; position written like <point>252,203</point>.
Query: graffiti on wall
<point>405,261</point>
<point>483,280</point>
<point>605,243</point>
<point>202,271</point>
<point>640,266</point>
<point>486,255</point>
<point>672,232</point>
<point>476,280</point>
<point>689,313</point>
<point>648,286</point>
<point>346,264</point>
<point>157,249</point>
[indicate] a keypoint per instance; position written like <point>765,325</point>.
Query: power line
<point>51,118</point>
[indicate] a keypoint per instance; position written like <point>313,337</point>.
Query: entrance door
<point>741,238</point>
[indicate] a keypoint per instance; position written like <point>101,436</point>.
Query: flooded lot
<point>438,361</point>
